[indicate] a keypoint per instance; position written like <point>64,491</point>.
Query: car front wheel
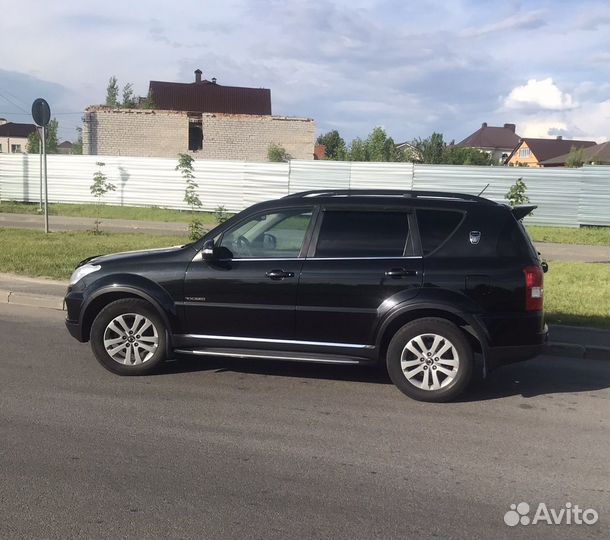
<point>128,337</point>
<point>430,359</point>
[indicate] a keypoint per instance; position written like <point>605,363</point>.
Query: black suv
<point>419,281</point>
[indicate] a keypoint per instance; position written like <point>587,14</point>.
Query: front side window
<point>362,234</point>
<point>277,235</point>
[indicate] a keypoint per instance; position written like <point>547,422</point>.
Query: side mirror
<point>211,253</point>
<point>207,252</point>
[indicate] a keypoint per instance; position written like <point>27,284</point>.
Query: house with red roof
<point>204,118</point>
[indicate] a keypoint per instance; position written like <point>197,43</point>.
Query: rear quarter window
<point>513,241</point>
<point>435,226</point>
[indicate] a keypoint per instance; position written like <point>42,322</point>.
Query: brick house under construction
<point>204,118</point>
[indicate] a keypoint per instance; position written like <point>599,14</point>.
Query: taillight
<point>534,278</point>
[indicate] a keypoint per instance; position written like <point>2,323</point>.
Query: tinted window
<point>274,235</point>
<point>435,226</point>
<point>362,234</point>
<point>514,241</point>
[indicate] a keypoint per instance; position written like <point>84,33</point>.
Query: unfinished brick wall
<point>156,133</point>
<point>246,137</point>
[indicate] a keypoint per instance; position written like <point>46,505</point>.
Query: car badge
<point>475,237</point>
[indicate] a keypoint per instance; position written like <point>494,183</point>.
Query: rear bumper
<point>509,354</point>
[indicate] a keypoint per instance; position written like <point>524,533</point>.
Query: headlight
<point>83,271</point>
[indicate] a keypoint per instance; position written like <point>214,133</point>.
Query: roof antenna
<point>481,192</point>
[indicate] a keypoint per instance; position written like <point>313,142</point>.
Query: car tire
<point>430,359</point>
<point>128,337</point>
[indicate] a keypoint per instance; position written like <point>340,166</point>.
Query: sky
<point>411,67</point>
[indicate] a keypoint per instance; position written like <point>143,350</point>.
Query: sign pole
<point>40,167</point>
<point>46,192</point>
<point>41,113</point>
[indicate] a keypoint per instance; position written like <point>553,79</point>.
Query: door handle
<point>400,272</point>
<point>279,274</point>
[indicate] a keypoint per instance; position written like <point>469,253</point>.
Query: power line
<point>13,103</point>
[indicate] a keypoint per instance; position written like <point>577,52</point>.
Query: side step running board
<point>289,356</point>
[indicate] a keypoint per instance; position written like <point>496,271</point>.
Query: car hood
<point>129,256</point>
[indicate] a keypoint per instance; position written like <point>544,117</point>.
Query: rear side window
<point>362,234</point>
<point>514,241</point>
<point>435,226</point>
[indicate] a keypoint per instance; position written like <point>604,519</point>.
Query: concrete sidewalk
<point>571,341</point>
<point>550,252</point>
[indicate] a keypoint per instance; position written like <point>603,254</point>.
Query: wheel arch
<point>472,330</point>
<point>106,295</point>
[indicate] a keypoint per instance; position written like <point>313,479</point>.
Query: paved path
<point>574,252</point>
<point>63,223</point>
<point>552,252</point>
<point>223,448</point>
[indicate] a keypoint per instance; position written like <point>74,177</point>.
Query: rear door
<point>358,259</point>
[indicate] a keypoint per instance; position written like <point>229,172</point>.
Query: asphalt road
<point>235,449</point>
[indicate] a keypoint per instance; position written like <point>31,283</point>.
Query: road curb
<point>34,300</point>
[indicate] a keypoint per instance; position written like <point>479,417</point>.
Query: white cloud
<point>589,121</point>
<point>543,94</point>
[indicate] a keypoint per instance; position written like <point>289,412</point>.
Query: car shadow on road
<point>539,376</point>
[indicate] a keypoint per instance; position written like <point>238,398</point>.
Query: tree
<point>358,150</point>
<point>576,158</point>
<point>129,100</point>
<point>185,166</point>
<point>517,193</point>
<point>334,144</point>
<point>77,147</point>
<point>146,102</point>
<point>277,154</point>
<point>33,144</point>
<point>98,189</point>
<point>459,155</point>
<point>378,145</point>
<point>112,92</point>
<point>431,149</point>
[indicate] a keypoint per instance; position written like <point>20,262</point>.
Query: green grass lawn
<point>592,236</point>
<point>597,236</point>
<point>33,253</point>
<point>110,212</point>
<point>575,293</point>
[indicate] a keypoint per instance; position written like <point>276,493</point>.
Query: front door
<point>253,294</point>
<point>361,262</point>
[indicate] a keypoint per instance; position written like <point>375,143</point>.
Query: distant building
<point>64,147</point>
<point>496,141</point>
<point>14,137</point>
<point>532,152</point>
<point>598,154</point>
<point>203,118</point>
<point>319,151</point>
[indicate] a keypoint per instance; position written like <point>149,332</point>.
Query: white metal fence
<point>569,197</point>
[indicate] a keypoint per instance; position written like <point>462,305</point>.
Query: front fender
<point>134,285</point>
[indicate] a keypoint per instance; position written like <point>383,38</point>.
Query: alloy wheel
<point>131,339</point>
<point>430,361</point>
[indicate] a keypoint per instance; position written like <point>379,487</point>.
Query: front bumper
<point>73,302</point>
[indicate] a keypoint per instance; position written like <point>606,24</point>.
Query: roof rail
<point>414,194</point>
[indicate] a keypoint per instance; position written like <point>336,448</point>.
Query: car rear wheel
<point>128,337</point>
<point>430,359</point>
